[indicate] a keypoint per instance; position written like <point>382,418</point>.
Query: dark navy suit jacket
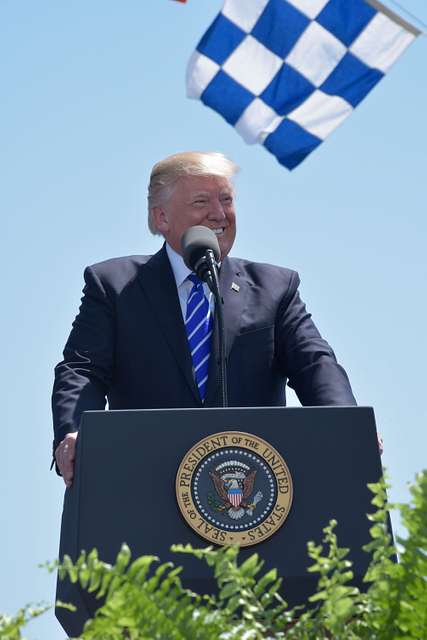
<point>128,343</point>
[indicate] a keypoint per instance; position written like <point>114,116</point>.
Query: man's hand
<point>64,455</point>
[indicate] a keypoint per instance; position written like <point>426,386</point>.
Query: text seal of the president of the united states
<point>234,488</point>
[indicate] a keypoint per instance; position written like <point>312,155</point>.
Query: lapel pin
<point>235,287</point>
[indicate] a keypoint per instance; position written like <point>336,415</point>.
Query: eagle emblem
<point>234,485</point>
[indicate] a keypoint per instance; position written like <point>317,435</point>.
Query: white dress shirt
<point>184,286</point>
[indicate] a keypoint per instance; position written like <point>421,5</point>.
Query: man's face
<point>204,200</point>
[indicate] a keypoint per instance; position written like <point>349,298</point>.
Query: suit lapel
<point>158,283</point>
<point>234,292</point>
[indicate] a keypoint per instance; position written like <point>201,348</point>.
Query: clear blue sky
<point>92,94</point>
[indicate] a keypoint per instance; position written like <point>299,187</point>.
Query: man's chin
<point>225,248</point>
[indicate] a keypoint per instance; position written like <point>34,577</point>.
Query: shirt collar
<point>179,268</point>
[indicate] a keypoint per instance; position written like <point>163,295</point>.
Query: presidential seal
<point>234,488</point>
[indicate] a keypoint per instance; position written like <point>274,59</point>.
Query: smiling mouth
<point>219,231</point>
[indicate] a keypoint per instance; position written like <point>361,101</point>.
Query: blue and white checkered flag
<point>286,73</point>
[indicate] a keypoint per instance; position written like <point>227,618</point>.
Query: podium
<point>124,490</point>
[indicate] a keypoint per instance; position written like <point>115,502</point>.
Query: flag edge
<point>379,6</point>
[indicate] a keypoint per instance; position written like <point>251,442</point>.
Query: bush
<point>143,603</point>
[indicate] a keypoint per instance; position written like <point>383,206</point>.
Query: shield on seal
<point>235,496</point>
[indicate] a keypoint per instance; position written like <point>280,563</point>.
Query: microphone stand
<point>206,269</point>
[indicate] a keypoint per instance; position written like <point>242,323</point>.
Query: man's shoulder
<point>263,273</point>
<point>118,272</point>
<point>120,263</point>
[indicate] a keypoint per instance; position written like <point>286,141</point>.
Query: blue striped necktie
<point>198,325</point>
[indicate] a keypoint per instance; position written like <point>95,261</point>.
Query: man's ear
<point>160,219</point>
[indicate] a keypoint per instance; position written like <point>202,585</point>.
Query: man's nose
<point>216,210</point>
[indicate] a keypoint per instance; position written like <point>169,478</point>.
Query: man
<point>130,340</point>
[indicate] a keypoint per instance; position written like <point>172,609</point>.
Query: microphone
<point>200,250</point>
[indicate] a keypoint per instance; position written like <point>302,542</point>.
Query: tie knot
<point>195,280</point>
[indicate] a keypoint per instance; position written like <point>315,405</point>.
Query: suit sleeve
<point>305,358</point>
<point>83,377</point>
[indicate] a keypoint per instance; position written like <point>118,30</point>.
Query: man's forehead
<point>206,184</point>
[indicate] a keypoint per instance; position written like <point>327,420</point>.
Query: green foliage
<point>10,627</point>
<point>145,600</point>
<point>396,603</point>
<point>249,608</point>
<point>141,602</point>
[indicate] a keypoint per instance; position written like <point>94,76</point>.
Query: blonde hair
<point>189,163</point>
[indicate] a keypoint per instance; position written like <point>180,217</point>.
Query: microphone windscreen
<point>194,243</point>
